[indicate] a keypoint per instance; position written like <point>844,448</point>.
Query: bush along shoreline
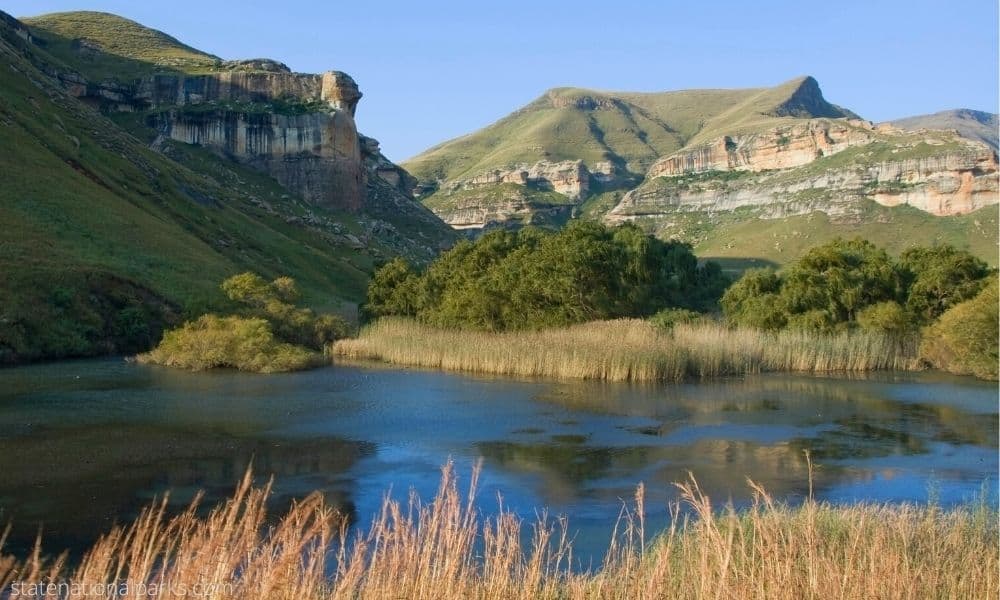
<point>269,334</point>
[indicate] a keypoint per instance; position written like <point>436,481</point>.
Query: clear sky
<point>434,70</point>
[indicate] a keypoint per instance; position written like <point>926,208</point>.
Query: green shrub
<point>211,341</point>
<point>964,339</point>
<point>669,318</point>
<point>275,302</point>
<point>885,317</point>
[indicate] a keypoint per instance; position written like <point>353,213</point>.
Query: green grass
<point>780,241</point>
<point>632,128</point>
<point>128,50</point>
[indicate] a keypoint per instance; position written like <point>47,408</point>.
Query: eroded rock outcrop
<point>491,198</point>
<point>778,148</point>
<point>937,172</point>
<point>297,127</point>
<point>570,178</point>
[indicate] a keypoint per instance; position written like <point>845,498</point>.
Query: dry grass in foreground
<point>626,350</point>
<point>445,550</point>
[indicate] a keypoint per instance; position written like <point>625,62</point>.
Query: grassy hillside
<point>105,240</point>
<point>105,46</point>
<point>743,240</point>
<point>629,129</point>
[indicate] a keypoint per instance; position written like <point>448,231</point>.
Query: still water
<point>85,444</point>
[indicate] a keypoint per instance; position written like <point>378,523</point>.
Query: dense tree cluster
<point>530,279</point>
<point>853,283</point>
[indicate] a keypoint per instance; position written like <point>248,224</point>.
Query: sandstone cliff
<point>779,148</point>
<point>543,191</point>
<point>820,165</point>
<point>299,128</point>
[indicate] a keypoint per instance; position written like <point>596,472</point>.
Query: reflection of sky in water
<point>83,443</point>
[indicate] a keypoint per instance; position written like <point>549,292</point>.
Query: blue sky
<point>434,70</point>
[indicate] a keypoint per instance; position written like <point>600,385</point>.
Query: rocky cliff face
<point>778,148</point>
<point>504,204</point>
<point>488,199</point>
<point>316,154</point>
<point>823,166</point>
<point>569,178</point>
<point>314,149</point>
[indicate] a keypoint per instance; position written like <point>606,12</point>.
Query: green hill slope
<point>102,46</point>
<point>104,239</point>
<point>628,129</point>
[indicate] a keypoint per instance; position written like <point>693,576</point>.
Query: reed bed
<point>626,350</point>
<point>446,550</point>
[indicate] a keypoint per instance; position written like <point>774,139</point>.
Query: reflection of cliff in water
<point>95,478</point>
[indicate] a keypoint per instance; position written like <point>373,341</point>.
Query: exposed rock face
<point>316,153</point>
<point>953,184</point>
<point>957,179</point>
<point>570,178</point>
<point>779,148</point>
<point>499,206</point>
<point>499,203</point>
<point>807,102</point>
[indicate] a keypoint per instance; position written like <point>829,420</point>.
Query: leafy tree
<point>392,290</point>
<point>885,317</point>
<point>249,289</point>
<point>669,318</point>
<point>940,277</point>
<point>839,279</point>
<point>210,341</point>
<point>754,301</point>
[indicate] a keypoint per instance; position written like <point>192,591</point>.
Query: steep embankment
<point>113,225</point>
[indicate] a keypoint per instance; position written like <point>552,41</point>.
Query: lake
<point>85,444</point>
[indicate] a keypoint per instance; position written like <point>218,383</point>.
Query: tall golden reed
<point>626,350</point>
<point>447,550</point>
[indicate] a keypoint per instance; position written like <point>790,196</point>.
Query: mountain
<point>140,172</point>
<point>702,165</point>
<point>973,124</point>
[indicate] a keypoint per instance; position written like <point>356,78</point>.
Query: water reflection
<point>84,444</point>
